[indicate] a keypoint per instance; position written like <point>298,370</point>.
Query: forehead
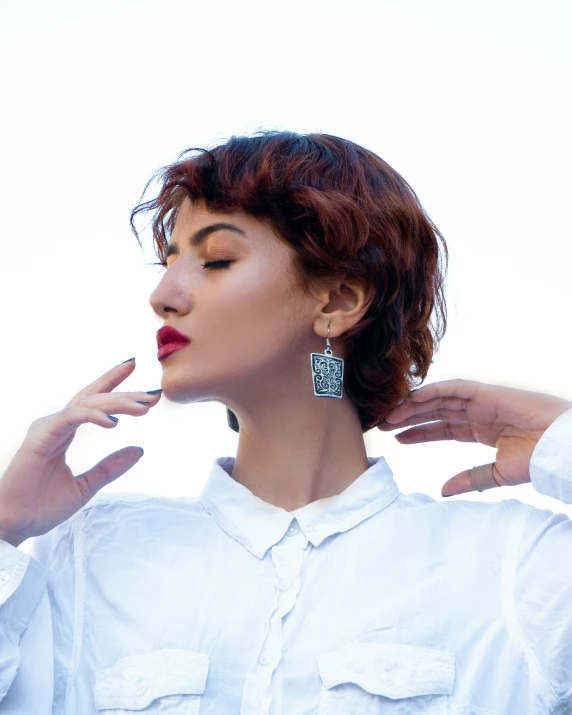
<point>192,215</point>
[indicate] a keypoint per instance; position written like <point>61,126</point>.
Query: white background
<point>469,101</point>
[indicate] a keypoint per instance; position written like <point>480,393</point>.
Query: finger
<point>465,389</point>
<point>459,484</point>
<point>462,483</point>
<point>107,470</point>
<point>432,416</point>
<point>408,408</point>
<point>140,395</point>
<point>115,403</point>
<point>108,381</point>
<point>461,432</point>
<point>47,435</point>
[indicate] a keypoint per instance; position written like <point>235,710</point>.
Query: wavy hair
<point>346,213</point>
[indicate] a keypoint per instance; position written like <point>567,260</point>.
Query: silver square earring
<point>327,376</point>
<point>327,372</point>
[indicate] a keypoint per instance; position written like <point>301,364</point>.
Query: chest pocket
<point>385,678</point>
<point>169,682</point>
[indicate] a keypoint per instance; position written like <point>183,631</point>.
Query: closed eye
<point>222,263</point>
<point>217,264</point>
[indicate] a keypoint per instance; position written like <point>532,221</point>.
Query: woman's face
<point>249,322</point>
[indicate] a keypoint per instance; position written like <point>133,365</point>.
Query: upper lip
<point>167,334</point>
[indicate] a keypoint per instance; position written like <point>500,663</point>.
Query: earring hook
<point>328,350</point>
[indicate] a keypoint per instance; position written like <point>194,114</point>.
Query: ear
<point>341,305</point>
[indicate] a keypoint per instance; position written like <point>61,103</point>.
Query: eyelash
<point>222,263</point>
<point>209,265</point>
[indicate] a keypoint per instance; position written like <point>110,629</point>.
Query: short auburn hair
<point>346,213</point>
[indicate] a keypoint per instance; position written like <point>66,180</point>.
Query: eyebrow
<point>202,234</point>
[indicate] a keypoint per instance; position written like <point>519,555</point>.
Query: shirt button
<point>292,529</point>
<point>4,577</point>
<point>141,687</point>
<point>264,659</point>
<point>285,582</point>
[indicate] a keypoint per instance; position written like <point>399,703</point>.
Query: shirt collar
<point>258,525</point>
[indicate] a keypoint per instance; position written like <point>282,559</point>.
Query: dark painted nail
<point>123,363</point>
<point>154,392</point>
<point>141,402</point>
<point>447,495</point>
<point>115,419</point>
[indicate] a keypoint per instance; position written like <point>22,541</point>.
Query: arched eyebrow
<point>201,234</point>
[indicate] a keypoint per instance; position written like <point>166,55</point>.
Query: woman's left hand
<point>508,419</point>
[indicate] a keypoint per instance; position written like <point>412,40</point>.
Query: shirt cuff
<point>551,461</point>
<point>22,583</point>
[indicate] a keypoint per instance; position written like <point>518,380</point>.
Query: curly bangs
<point>346,213</point>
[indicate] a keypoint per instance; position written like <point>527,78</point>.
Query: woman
<point>301,580</point>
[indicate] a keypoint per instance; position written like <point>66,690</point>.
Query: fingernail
<point>115,419</point>
<point>154,392</point>
<point>123,363</point>
<point>141,402</point>
<point>447,495</point>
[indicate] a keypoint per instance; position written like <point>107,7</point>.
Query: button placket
<point>264,659</point>
<point>285,582</point>
<point>287,557</point>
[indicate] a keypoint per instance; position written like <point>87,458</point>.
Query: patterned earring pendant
<point>232,420</point>
<point>327,372</point>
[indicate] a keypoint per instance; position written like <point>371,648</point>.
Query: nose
<point>169,296</point>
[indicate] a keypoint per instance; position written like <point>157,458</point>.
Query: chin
<point>184,390</point>
<point>186,383</point>
<point>181,394</point>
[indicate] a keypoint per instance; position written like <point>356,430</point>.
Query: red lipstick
<point>169,340</point>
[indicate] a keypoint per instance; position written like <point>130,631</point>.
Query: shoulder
<point>458,504</point>
<point>115,524</point>
<point>138,502</point>
<point>124,509</point>
<point>109,497</point>
<point>485,536</point>
<point>127,510</point>
<point>465,514</point>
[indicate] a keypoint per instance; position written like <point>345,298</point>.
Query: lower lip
<point>169,348</point>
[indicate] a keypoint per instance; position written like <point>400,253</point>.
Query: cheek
<point>256,315</point>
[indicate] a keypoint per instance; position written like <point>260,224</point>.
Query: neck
<point>298,449</point>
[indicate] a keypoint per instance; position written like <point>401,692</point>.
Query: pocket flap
<point>135,681</point>
<point>390,669</point>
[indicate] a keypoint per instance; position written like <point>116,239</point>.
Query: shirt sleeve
<point>551,461</point>
<point>37,604</point>
<point>23,584</point>
<point>542,596</point>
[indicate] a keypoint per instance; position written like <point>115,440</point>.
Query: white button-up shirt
<point>368,602</point>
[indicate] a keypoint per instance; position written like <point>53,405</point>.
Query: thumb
<point>108,469</point>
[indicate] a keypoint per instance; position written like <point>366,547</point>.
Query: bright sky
<point>470,102</point>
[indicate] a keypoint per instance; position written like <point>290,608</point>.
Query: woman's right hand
<point>38,490</point>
